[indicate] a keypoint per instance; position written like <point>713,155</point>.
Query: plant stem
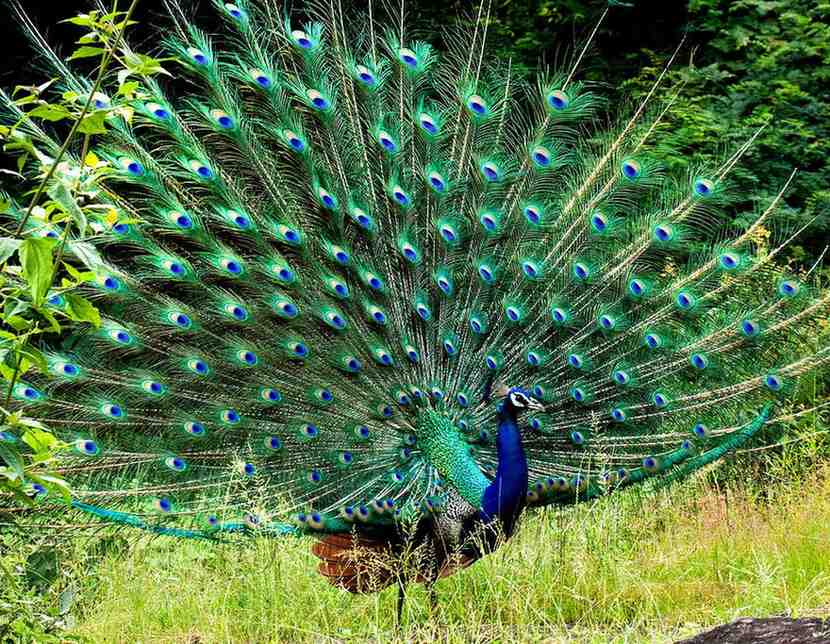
<point>101,70</point>
<point>105,61</point>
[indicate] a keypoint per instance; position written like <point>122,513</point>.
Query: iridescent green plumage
<point>339,234</point>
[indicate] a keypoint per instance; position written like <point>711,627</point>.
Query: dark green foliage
<point>753,63</point>
<point>762,63</point>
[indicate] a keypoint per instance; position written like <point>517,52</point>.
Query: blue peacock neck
<point>505,496</point>
<point>443,446</point>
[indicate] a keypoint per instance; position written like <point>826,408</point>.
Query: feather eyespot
<point>301,39</point>
<point>153,387</point>
<point>248,358</point>
<point>270,395</point>
<point>653,340</point>
<point>158,111</point>
<point>260,78</point>
<point>533,214</point>
<point>87,447</point>
<point>273,443</point>
<point>198,366</point>
<point>685,300</point>
<point>773,382</point>
<point>437,182</point>
<point>318,100</point>
<point>599,222</point>
<point>700,430</point>
<point>489,221</point>
<point>699,361</point>
<point>477,106</point>
<point>201,170</point>
<point>230,416</point>
<point>222,119</point>
<point>234,11</point>
<point>541,156</point>
<point>387,142</point>
<point>401,196</point>
<point>132,166</point>
<point>194,428</point>
<point>789,288</point>
<point>365,75</point>
<point>428,124</point>
<point>581,271</point>
<point>750,328</point>
<point>703,187</point>
<point>112,410</point>
<point>558,100</point>
<point>197,56</point>
<point>328,199</point>
<point>631,169</point>
<point>408,57</point>
<point>175,463</point>
<point>491,171</point>
<point>294,140</point>
<point>121,336</point>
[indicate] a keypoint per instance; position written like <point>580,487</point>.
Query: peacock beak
<point>536,405</point>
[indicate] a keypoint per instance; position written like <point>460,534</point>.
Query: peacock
<point>387,297</point>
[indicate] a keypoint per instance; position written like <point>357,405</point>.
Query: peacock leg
<point>434,575</point>
<point>433,597</point>
<point>401,598</point>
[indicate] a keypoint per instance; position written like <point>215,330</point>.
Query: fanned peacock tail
<point>328,245</point>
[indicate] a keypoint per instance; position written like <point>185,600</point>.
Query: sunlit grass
<point>640,569</point>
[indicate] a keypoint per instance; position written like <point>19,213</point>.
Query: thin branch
<point>104,63</point>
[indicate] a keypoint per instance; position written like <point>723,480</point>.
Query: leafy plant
<point>44,257</point>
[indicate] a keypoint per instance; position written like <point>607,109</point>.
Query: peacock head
<point>517,400</point>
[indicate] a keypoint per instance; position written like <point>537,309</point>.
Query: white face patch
<point>518,400</point>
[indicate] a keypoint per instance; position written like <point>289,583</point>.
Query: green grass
<point>638,569</point>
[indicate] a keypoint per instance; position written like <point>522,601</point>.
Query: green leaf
<point>128,89</point>
<point>39,440</point>
<point>83,19</point>
<point>30,422</point>
<point>17,322</point>
<point>61,193</point>
<point>81,310</point>
<point>87,253</point>
<point>8,245</point>
<point>36,263</point>
<point>86,52</point>
<point>93,123</point>
<point>49,112</point>
<point>32,357</point>
<point>54,325</point>
<point>143,65</point>
<point>79,276</point>
<point>12,458</point>
<point>122,77</point>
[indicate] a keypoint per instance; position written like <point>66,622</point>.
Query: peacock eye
<point>518,400</point>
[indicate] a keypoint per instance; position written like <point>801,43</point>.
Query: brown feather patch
<point>355,563</point>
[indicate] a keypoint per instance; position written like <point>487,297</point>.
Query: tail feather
<point>325,228</point>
